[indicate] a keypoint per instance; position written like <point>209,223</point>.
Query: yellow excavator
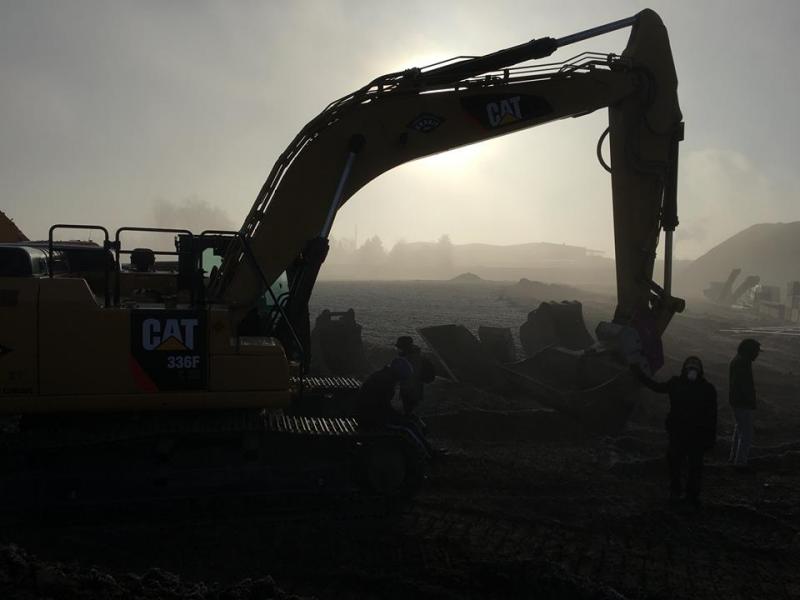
<point>145,376</point>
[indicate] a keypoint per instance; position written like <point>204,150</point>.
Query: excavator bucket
<point>555,324</point>
<point>336,345</point>
<point>593,388</point>
<point>461,355</point>
<point>498,342</point>
<point>564,371</point>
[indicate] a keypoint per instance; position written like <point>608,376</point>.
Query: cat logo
<point>495,111</point>
<point>504,112</point>
<point>168,350</point>
<point>173,335</point>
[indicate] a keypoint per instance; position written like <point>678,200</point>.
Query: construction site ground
<point>524,504</point>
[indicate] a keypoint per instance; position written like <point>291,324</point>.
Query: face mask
<point>691,374</point>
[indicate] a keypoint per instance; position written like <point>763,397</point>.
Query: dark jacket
<point>741,387</point>
<point>374,399</point>
<point>692,418</point>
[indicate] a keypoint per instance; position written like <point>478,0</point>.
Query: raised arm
<point>659,387</point>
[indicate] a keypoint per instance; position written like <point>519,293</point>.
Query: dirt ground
<point>524,505</point>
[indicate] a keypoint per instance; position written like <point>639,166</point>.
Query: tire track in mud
<point>437,547</point>
<point>656,555</point>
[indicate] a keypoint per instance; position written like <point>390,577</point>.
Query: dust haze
<point>531,459</point>
<point>194,214</point>
<point>111,107</point>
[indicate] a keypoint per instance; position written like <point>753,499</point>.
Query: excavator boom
<point>404,116</point>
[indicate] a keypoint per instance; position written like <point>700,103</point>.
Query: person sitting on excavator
<point>691,424</point>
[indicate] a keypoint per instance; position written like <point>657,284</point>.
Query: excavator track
<point>327,396</point>
<point>142,458</point>
<point>67,432</point>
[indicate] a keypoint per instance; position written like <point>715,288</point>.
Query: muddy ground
<point>524,505</point>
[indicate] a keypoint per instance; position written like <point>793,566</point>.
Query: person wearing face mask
<point>742,398</point>
<point>691,424</point>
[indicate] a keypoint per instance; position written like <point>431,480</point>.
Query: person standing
<point>691,424</point>
<point>412,391</point>
<point>742,398</point>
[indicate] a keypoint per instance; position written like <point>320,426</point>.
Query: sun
<point>457,160</point>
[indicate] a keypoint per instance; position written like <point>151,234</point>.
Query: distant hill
<point>769,250</point>
<point>444,260</point>
<point>467,278</point>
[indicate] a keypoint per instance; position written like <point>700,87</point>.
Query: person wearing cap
<point>691,424</point>
<point>742,398</point>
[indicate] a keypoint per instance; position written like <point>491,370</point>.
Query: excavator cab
<point>111,335</point>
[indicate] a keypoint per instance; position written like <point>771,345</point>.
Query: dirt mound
<point>466,278</point>
<point>9,232</point>
<point>531,293</point>
<point>23,576</point>
<point>766,249</point>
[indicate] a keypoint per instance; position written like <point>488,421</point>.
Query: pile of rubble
<point>557,372</point>
<point>760,299</point>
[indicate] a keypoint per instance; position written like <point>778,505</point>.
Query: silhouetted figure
<point>412,391</point>
<point>742,397</point>
<point>691,424</point>
<point>374,401</point>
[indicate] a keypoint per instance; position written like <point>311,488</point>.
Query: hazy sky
<point>155,112</point>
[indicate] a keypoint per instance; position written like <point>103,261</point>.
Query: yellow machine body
<point>63,351</point>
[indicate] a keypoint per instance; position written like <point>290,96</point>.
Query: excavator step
<point>326,384</point>
<point>324,396</point>
<point>282,423</point>
<point>66,433</point>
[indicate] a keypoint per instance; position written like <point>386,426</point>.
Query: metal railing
<point>52,246</point>
<point>118,251</point>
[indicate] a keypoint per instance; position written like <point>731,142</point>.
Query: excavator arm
<point>408,115</point>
